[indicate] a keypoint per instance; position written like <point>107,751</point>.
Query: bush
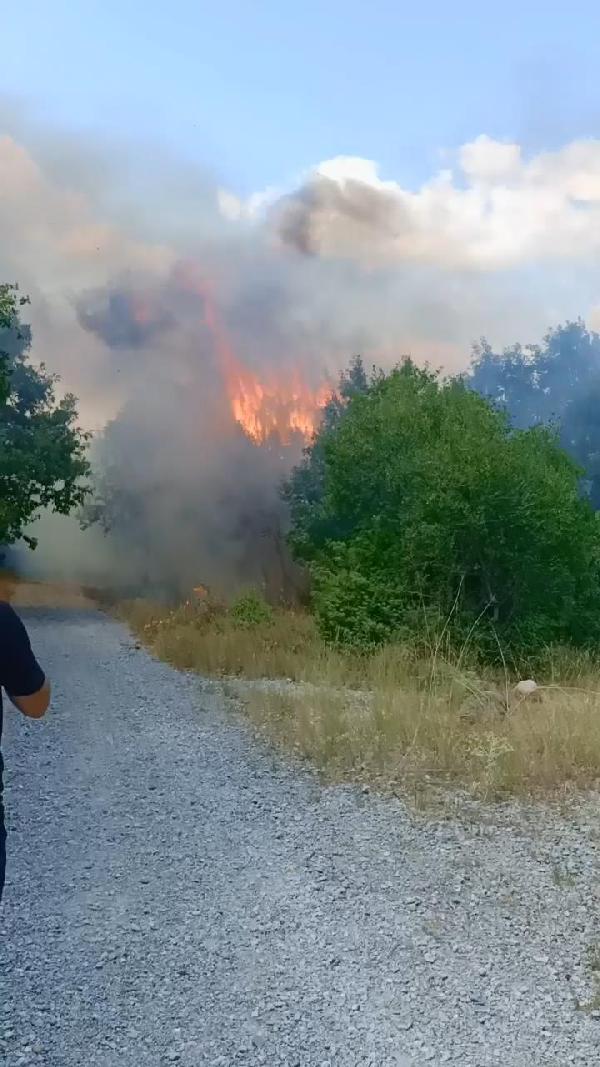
<point>251,610</point>
<point>438,520</point>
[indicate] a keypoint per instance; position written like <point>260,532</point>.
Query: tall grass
<point>213,641</point>
<point>399,736</point>
<point>399,715</point>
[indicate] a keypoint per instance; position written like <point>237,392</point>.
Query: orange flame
<point>274,407</point>
<point>271,407</point>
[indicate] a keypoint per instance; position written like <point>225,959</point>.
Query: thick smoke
<point>121,319</point>
<point>326,216</point>
<point>156,298</point>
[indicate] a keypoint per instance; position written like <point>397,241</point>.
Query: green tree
<point>556,382</point>
<point>535,383</point>
<point>580,436</point>
<point>9,317</point>
<point>435,509</point>
<point>42,450</point>
<point>303,491</point>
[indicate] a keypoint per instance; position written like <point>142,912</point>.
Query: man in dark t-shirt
<point>25,684</point>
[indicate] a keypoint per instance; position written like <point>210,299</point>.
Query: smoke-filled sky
<point>498,242</point>
<point>209,206</point>
<point>377,178</point>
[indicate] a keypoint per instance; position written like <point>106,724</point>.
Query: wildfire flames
<point>264,408</point>
<point>272,408</point>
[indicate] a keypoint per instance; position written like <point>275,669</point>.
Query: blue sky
<point>260,91</point>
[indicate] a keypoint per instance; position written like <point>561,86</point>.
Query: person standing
<point>25,684</point>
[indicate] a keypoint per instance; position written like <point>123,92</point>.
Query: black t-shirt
<point>20,673</point>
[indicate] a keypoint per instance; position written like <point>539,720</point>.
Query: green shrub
<point>438,522</point>
<point>251,610</point>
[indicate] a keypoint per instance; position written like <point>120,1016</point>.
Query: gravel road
<point>177,894</point>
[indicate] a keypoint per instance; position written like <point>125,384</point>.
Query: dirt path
<point>178,895</point>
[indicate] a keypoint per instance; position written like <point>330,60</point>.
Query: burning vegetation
<point>274,404</point>
<point>272,407</point>
<point>189,473</point>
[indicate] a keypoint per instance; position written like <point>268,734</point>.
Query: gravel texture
<point>179,895</point>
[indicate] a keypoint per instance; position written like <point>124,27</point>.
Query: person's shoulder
<point>8,614</point>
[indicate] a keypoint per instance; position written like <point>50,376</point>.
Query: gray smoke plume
<point>121,319</point>
<point>322,213</point>
<point>154,293</point>
<point>184,495</point>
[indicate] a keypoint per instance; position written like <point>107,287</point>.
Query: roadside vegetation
<point>399,717</point>
<point>453,548</point>
<point>449,531</point>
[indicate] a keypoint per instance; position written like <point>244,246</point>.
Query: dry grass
<point>394,717</point>
<point>403,736</point>
<point>212,642</point>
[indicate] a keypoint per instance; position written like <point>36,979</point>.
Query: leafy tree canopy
<point>42,450</point>
<point>557,381</point>
<point>304,489</point>
<point>535,383</point>
<point>435,512</point>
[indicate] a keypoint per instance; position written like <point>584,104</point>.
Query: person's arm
<point>23,678</point>
<point>35,705</point>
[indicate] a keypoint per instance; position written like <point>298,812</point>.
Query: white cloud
<point>495,209</point>
<point>230,205</point>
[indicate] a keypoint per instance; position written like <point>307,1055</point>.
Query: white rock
<point>526,687</point>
